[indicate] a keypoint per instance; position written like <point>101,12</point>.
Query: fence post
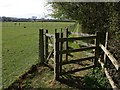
<point>46,45</point>
<point>106,41</point>
<point>61,47</point>
<point>41,46</point>
<point>66,43</point>
<point>97,49</point>
<point>56,56</point>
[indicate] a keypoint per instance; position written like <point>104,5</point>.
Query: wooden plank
<point>49,66</point>
<point>110,56</point>
<point>56,57</point>
<point>49,35</point>
<point>81,34</point>
<point>49,55</point>
<point>97,49</point>
<point>66,43</point>
<point>108,76</point>
<point>50,44</point>
<point>76,38</point>
<point>61,48</point>
<point>46,46</point>
<point>77,70</point>
<point>77,60</point>
<point>106,41</point>
<point>114,87</point>
<point>76,50</point>
<point>81,43</point>
<point>41,46</point>
<point>50,40</point>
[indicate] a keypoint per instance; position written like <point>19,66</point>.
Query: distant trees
<point>12,19</point>
<point>6,19</point>
<point>34,18</point>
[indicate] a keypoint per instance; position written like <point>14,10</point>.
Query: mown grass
<point>20,46</point>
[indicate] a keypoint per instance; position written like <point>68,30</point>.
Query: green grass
<point>20,46</point>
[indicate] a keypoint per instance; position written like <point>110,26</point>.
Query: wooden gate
<point>60,48</point>
<point>58,52</point>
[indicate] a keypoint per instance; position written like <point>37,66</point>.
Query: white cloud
<point>23,8</point>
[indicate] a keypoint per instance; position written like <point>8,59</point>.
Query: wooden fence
<point>58,50</point>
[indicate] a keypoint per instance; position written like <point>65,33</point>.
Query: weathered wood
<point>77,60</point>
<point>81,43</point>
<point>114,87</point>
<point>46,46</point>
<point>41,46</point>
<point>108,76</point>
<point>110,56</point>
<point>106,41</point>
<point>50,40</point>
<point>49,35</point>
<point>49,65</point>
<point>101,63</point>
<point>76,38</point>
<point>77,70</point>
<point>50,44</point>
<point>81,34</point>
<point>56,57</point>
<point>61,48</point>
<point>66,43</point>
<point>49,55</point>
<point>97,50</point>
<point>76,50</point>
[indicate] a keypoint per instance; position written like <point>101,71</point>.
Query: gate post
<point>56,56</point>
<point>97,49</point>
<point>61,48</point>
<point>66,43</point>
<point>46,46</point>
<point>41,46</point>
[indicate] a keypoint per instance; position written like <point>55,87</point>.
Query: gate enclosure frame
<point>100,40</point>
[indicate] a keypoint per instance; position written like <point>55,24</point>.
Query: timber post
<point>56,56</point>
<point>97,49</point>
<point>66,44</point>
<point>61,48</point>
<point>46,46</point>
<point>41,46</point>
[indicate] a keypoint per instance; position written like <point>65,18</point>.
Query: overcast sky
<point>24,8</point>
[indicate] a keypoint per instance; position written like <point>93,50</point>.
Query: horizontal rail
<point>76,50</point>
<point>110,56</point>
<point>76,70</point>
<point>108,76</point>
<point>76,38</point>
<point>81,34</point>
<point>77,60</point>
<point>49,35</point>
<point>84,43</point>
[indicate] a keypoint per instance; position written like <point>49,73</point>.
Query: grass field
<point>20,46</point>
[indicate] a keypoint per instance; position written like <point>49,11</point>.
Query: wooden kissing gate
<point>58,50</point>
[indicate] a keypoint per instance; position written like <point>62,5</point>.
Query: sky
<point>24,8</point>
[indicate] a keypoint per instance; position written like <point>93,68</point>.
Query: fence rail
<point>112,59</point>
<point>76,50</point>
<point>76,38</point>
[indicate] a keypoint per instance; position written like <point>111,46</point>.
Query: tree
<point>92,16</point>
<point>34,18</point>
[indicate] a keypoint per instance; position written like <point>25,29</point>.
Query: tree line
<point>92,17</point>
